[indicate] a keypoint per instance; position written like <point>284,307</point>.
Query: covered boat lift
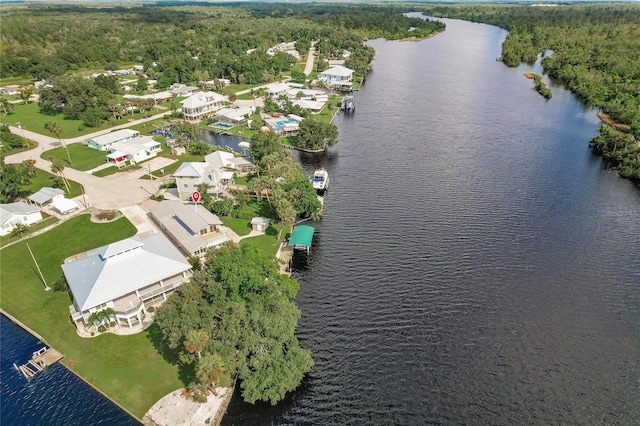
<point>301,237</point>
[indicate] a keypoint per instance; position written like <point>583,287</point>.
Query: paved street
<point>106,194</point>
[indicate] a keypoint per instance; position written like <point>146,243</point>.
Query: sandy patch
<point>175,410</point>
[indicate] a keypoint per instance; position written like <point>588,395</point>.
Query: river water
<point>53,397</point>
<point>475,264</point>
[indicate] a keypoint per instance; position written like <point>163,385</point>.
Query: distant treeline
<point>52,40</point>
<point>596,55</point>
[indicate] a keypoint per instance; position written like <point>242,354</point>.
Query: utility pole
<point>46,287</point>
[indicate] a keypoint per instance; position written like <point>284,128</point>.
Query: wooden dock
<point>40,360</point>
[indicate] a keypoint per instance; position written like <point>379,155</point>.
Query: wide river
<point>475,264</point>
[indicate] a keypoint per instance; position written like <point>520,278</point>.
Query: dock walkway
<point>40,360</point>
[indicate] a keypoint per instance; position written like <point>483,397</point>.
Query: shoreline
<point>64,364</point>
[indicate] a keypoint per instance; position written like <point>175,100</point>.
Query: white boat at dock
<point>320,181</point>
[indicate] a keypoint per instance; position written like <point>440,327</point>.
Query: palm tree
<point>196,341</point>
<point>25,93</point>
<point>209,370</point>
<point>57,167</point>
<point>54,127</point>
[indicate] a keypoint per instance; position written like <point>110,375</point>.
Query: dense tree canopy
<point>315,134</point>
<point>12,178</point>
<point>236,316</point>
<point>53,40</point>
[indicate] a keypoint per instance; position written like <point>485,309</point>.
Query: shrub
<point>61,285</point>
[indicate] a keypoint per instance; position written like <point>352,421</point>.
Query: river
<point>476,263</point>
<point>55,396</point>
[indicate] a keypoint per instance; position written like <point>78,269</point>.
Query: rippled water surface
<point>475,264</point>
<point>53,397</point>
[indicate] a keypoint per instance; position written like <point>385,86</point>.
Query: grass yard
<point>82,157</point>
<point>42,179</point>
<point>267,243</point>
<point>239,226</point>
<point>29,116</point>
<point>114,169</point>
<point>256,208</point>
<point>46,221</point>
<point>127,368</point>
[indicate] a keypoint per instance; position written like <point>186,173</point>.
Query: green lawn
<point>29,116</point>
<point>256,208</point>
<point>239,226</point>
<point>267,243</point>
<point>127,368</point>
<point>83,158</point>
<point>46,221</point>
<point>114,169</point>
<point>42,179</point>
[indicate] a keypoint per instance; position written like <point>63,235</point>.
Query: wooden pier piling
<point>40,360</point>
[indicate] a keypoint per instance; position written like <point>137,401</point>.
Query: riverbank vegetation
<point>594,54</point>
<point>237,318</point>
<point>541,87</point>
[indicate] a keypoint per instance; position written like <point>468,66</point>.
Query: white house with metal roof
<point>103,142</point>
<point>127,276</point>
<point>337,76</point>
<point>201,105</point>
<point>277,89</point>
<point>12,214</point>
<point>193,229</point>
<point>133,151</point>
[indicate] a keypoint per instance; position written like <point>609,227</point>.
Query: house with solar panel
<point>191,228</point>
<point>128,276</point>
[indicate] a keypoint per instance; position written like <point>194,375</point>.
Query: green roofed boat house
<point>301,237</point>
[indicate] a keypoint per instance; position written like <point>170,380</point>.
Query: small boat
<point>348,104</point>
<point>320,181</point>
<point>244,145</point>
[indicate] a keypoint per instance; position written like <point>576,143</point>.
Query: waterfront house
<point>201,105</point>
<point>288,126</point>
<point>128,276</point>
<point>104,142</point>
<point>338,76</point>
<point>217,171</point>
<point>276,89</point>
<point>233,116</point>
<point>193,229</point>
<point>12,214</point>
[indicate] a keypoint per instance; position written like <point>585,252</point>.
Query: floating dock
<point>40,360</point>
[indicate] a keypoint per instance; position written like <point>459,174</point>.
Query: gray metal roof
<point>45,195</point>
<point>191,169</point>
<point>183,223</point>
<point>112,137</point>
<point>8,210</point>
<point>110,272</point>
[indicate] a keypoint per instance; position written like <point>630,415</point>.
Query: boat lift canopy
<point>301,237</point>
